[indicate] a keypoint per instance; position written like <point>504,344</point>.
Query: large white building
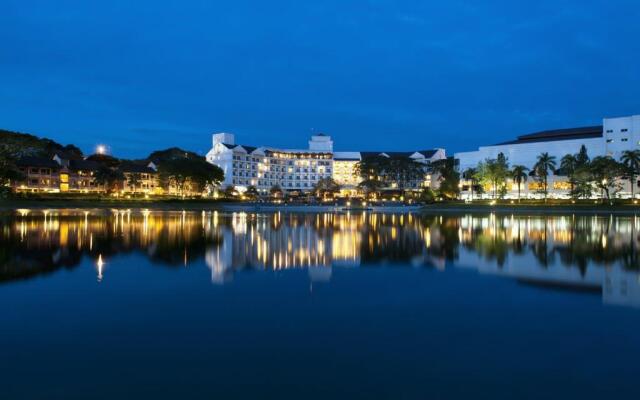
<point>298,170</point>
<point>614,136</point>
<point>266,167</point>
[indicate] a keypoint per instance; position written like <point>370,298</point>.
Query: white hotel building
<point>614,136</point>
<point>297,169</point>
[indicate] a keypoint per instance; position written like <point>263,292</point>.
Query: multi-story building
<point>300,170</point>
<point>611,138</point>
<point>60,175</point>
<point>266,167</point>
<point>57,174</point>
<point>141,178</point>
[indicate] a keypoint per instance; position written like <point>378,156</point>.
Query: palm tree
<point>569,163</point>
<point>519,175</point>
<point>470,174</point>
<point>631,160</point>
<point>109,178</point>
<point>543,165</point>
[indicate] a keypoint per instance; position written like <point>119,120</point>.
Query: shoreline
<point>218,205</point>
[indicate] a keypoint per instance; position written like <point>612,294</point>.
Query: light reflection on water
<point>593,253</point>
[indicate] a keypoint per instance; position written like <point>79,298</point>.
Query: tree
<point>427,196</point>
<point>519,175</point>
<point>448,177</point>
<point>104,159</point>
<point>471,174</point>
<point>8,169</point>
<point>133,180</point>
<point>370,187</point>
<point>109,178</point>
<point>275,191</point>
<point>605,171</point>
<point>493,172</point>
<point>582,158</point>
<point>326,187</point>
<point>583,186</point>
<point>371,168</point>
<point>542,167</point>
<point>399,171</point>
<point>189,174</point>
<point>631,161</point>
<point>568,166</point>
<point>230,191</point>
<point>252,192</point>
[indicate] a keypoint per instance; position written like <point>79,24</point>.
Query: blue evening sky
<point>375,75</point>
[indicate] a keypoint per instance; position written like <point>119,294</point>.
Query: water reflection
<point>591,253</point>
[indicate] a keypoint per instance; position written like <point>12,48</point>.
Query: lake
<point>157,304</point>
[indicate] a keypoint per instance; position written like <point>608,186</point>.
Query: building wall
<point>39,179</point>
<point>265,168</point>
<point>148,183</point>
<point>299,170</point>
<point>344,172</point>
<point>527,153</point>
<point>619,134</point>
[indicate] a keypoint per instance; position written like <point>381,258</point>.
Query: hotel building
<point>266,167</point>
<point>60,174</point>
<point>300,170</point>
<point>613,137</point>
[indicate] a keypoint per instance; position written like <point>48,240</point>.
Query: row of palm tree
<point>603,172</point>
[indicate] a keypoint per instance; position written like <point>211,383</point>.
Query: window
<point>625,139</point>
<point>624,130</point>
<point>609,130</point>
<point>609,140</point>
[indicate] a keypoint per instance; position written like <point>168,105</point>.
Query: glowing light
<point>100,266</point>
<point>101,149</point>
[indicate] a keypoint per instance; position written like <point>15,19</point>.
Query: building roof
<point>249,149</point>
<point>136,168</point>
<point>84,165</point>
<point>39,162</point>
<point>399,154</point>
<point>347,156</point>
<point>428,153</point>
<point>586,132</point>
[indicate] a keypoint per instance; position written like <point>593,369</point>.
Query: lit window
<point>609,140</point>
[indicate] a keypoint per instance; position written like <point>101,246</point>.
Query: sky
<point>375,75</point>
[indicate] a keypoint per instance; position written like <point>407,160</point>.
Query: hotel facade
<point>612,138</point>
<point>300,169</point>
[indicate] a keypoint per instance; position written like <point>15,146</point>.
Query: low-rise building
<point>61,175</point>
<point>612,138</point>
<point>39,175</point>
<point>141,178</point>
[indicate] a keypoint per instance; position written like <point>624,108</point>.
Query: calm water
<point>117,304</point>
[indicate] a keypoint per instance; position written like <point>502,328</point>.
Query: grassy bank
<point>537,206</point>
<point>84,201</point>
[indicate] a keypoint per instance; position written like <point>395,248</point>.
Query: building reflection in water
<point>592,253</point>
